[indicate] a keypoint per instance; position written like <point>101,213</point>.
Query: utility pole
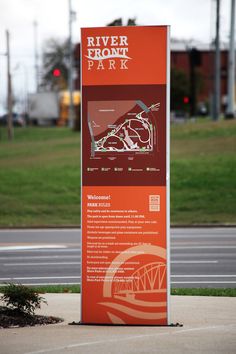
<point>231,66</point>
<point>25,73</point>
<point>192,77</point>
<point>9,91</point>
<point>216,94</point>
<point>194,61</point>
<point>36,56</point>
<point>71,66</point>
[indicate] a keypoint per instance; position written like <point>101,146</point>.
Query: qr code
<point>154,202</point>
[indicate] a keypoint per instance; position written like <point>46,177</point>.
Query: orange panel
<point>124,255</point>
<point>141,55</point>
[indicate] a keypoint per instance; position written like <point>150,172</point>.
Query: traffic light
<point>195,57</point>
<point>56,72</point>
<point>186,100</point>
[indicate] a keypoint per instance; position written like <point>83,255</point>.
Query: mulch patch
<point>12,318</point>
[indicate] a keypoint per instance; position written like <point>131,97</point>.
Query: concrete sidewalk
<point>209,326</point>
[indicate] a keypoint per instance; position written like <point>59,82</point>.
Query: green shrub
<point>21,298</point>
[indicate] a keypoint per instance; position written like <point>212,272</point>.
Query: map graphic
<point>122,126</point>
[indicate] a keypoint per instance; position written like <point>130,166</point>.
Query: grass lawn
<point>203,172</point>
<point>40,175</point>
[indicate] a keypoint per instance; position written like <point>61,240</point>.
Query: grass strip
<point>59,289</point>
<point>228,292</point>
<point>53,289</point>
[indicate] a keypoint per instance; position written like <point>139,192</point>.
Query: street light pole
<point>25,73</point>
<point>217,95</point>
<point>231,66</point>
<point>9,90</point>
<point>71,66</point>
<point>36,56</point>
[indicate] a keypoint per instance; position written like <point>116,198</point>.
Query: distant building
<point>180,61</point>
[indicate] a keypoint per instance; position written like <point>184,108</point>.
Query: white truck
<point>43,108</point>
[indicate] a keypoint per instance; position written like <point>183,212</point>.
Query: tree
<point>119,22</point>
<point>55,60</point>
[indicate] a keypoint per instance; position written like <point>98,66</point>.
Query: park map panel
<point>122,127</point>
<point>124,137</point>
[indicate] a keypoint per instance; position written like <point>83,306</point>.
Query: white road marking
<point>40,257</point>
<point>201,247</point>
<point>205,243</point>
<point>193,262</point>
<point>39,264</point>
<point>203,276</point>
<point>45,250</point>
<point>203,282</point>
<point>35,278</point>
<point>199,230</point>
<point>38,230</point>
<point>29,247</point>
<point>202,255</point>
<point>196,236</point>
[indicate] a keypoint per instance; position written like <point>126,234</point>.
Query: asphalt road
<point>200,257</point>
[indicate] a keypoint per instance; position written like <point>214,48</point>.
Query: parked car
<point>202,109</point>
<point>17,120</point>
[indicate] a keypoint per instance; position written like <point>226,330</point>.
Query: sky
<point>189,19</point>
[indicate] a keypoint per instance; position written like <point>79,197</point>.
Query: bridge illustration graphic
<point>148,279</point>
<point>141,294</point>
